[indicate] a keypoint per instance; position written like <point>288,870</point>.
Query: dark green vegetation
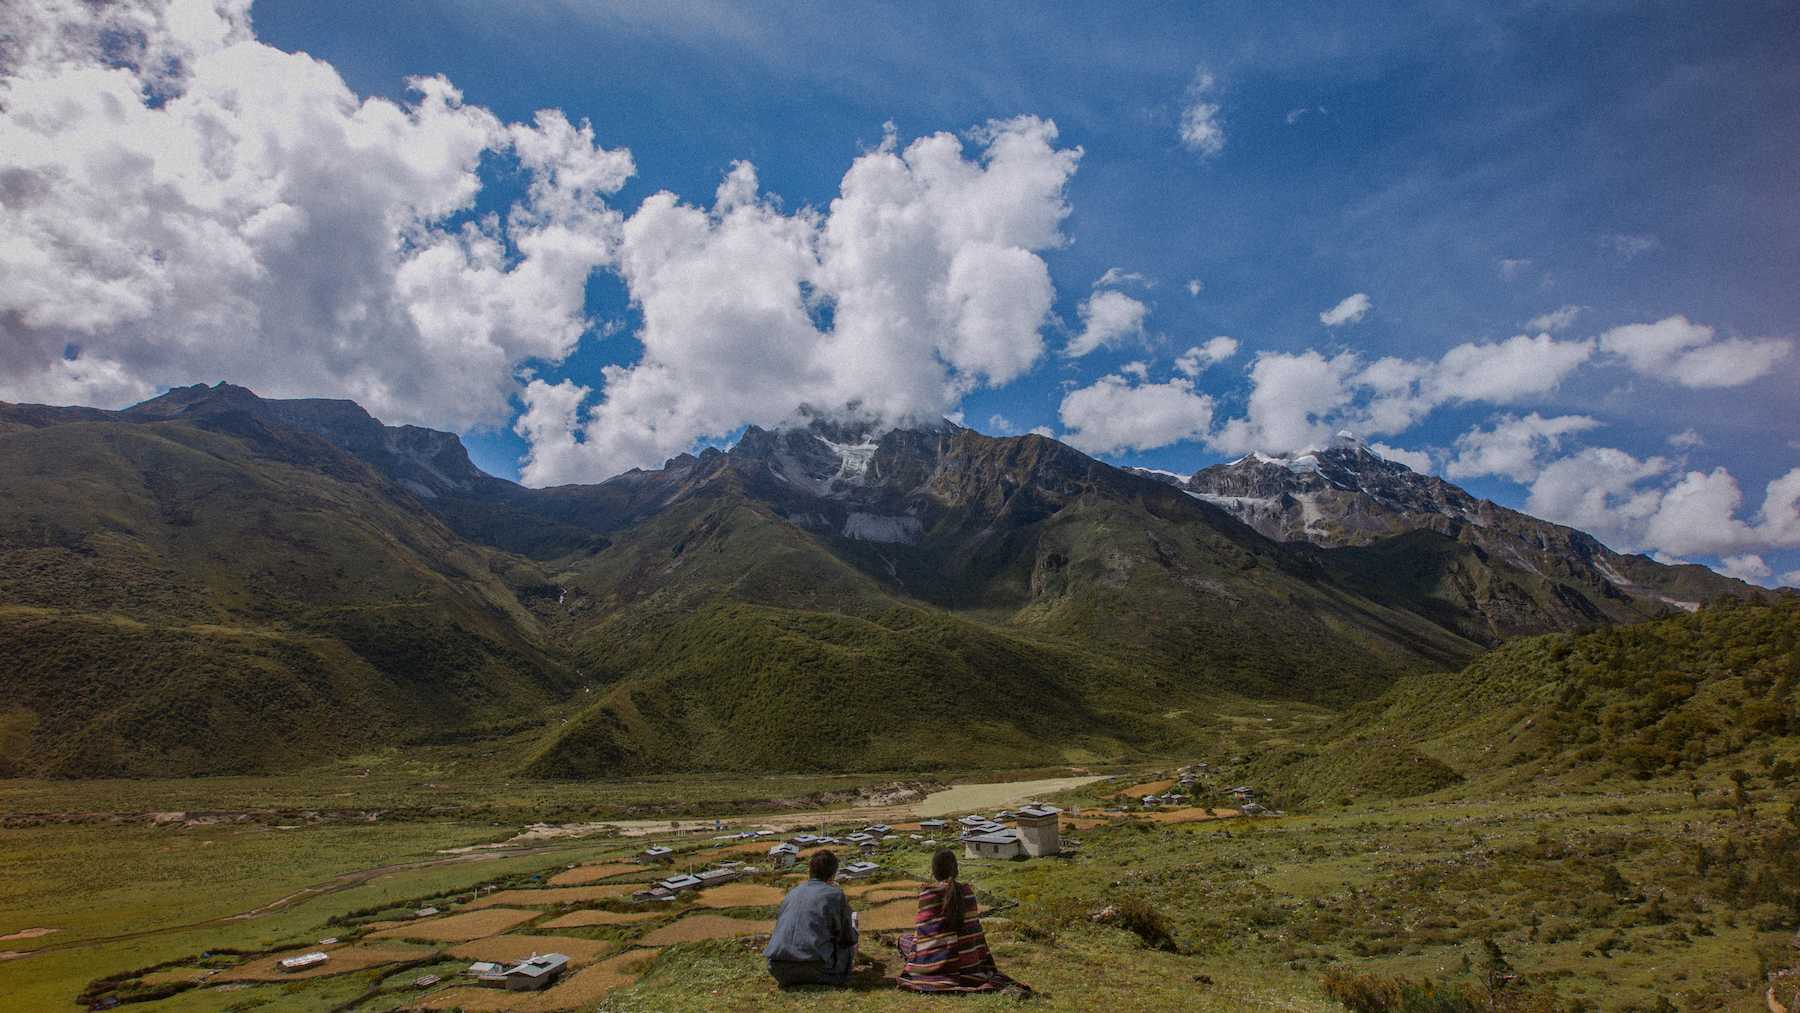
<point>1665,697</point>
<point>211,582</point>
<point>234,596</point>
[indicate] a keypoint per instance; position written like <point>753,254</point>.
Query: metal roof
<point>539,965</point>
<point>1002,837</point>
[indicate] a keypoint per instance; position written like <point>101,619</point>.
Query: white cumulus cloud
<point>1293,397</point>
<point>1747,567</point>
<point>1196,359</point>
<point>1677,350</point>
<point>1298,400</point>
<point>1349,311</point>
<point>1513,447</point>
<point>1114,414</point>
<point>1107,318</point>
<point>927,261</point>
<point>1634,504</point>
<point>180,201</point>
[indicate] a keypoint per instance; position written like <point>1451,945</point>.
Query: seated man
<point>814,942</point>
<point>947,951</point>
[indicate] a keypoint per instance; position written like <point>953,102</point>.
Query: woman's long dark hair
<point>943,869</point>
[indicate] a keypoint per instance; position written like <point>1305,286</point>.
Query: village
<point>568,935</point>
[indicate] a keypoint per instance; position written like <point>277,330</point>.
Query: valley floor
<point>1591,895</point>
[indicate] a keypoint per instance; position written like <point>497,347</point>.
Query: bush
<point>1134,913</point>
<point>1042,920</point>
<point>1369,993</point>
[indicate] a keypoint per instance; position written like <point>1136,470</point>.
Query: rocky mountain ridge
<point>1065,603</point>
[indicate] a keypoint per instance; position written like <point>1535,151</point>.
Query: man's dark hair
<point>822,865</point>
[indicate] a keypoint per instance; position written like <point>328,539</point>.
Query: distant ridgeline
<point>215,582</point>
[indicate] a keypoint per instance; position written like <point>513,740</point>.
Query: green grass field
<point>1593,894</point>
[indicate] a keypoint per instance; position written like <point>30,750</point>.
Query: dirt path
<point>965,798</point>
<point>960,798</point>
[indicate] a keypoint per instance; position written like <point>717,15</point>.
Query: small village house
<point>1000,844</point>
<point>1039,830</point>
<point>713,877</point>
<point>535,972</point>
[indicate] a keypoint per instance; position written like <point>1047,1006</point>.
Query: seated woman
<point>814,941</point>
<point>947,951</point>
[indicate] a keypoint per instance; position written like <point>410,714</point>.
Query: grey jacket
<point>813,924</point>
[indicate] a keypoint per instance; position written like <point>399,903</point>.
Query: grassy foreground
<point>1596,896</point>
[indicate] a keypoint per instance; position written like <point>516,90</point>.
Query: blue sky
<point>1467,168</point>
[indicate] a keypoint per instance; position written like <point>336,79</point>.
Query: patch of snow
<point>1607,571</point>
<point>1305,461</point>
<point>1523,563</point>
<point>1237,504</point>
<point>1159,471</point>
<point>883,528</point>
<point>1310,514</point>
<point>853,459</point>
<point>1685,606</point>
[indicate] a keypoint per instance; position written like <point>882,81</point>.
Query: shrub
<point>1043,919</point>
<point>1135,913</point>
<point>1369,993</point>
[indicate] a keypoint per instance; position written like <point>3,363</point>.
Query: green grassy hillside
<point>1658,698</point>
<point>1068,618</point>
<point>213,582</point>
<point>236,597</point>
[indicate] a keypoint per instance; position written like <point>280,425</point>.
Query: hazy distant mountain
<point>1517,573</point>
<point>212,581</point>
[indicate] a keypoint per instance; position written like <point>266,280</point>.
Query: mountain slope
<point>213,567</point>
<point>221,594</point>
<point>1486,571</point>
<point>1650,699</point>
<point>742,627</point>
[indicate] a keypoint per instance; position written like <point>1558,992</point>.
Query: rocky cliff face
<point>1347,496</point>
